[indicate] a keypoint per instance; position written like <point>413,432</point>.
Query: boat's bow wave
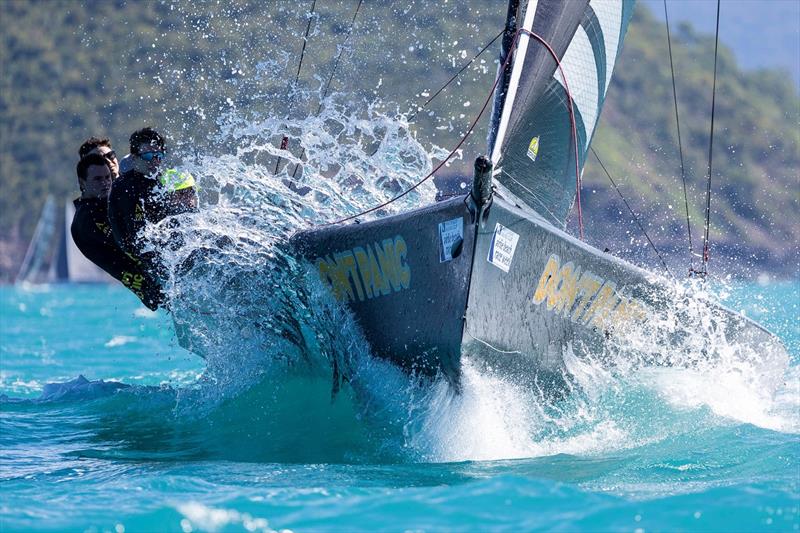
<point>285,411</point>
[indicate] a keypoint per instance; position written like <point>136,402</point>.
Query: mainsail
<point>36,266</point>
<point>530,139</point>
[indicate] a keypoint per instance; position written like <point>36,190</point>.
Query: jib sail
<point>530,139</point>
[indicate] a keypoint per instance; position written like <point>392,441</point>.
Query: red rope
<point>441,164</point>
<point>472,127</point>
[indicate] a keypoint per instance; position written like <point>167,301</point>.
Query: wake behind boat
<point>492,275</point>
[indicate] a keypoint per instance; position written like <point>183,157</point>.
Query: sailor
<point>147,194</point>
<point>92,232</point>
<point>101,146</point>
<point>125,164</point>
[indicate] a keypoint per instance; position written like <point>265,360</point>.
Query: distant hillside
<point>111,67</point>
<point>761,34</point>
<point>755,186</point>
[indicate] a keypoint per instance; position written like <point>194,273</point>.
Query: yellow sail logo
<point>584,297</point>
<point>368,271</point>
<point>533,148</point>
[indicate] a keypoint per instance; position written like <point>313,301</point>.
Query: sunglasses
<point>149,156</point>
<point>110,155</point>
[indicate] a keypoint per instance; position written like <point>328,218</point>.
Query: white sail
<point>52,255</point>
<point>78,268</point>
<point>532,144</point>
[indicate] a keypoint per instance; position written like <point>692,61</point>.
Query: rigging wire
<point>633,214</point>
<point>456,75</point>
<point>333,73</point>
<point>443,87</point>
<point>704,268</point>
<point>570,103</point>
<point>680,144</point>
<point>285,139</point>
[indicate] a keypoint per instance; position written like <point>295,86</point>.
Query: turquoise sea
<point>160,446</point>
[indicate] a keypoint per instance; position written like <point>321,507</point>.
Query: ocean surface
<point>106,424</point>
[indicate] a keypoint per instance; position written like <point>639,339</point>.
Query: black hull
<point>516,310</point>
<point>409,304</point>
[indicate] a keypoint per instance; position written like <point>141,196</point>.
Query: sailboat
<point>492,274</point>
<point>52,256</point>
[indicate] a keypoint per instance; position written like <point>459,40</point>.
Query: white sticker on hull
<point>501,250</point>
<point>450,234</point>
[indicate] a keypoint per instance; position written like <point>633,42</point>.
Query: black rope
<point>456,75</point>
<point>635,218</point>
<point>460,142</point>
<point>443,87</point>
<point>680,144</point>
<point>704,268</point>
<point>339,55</point>
<point>285,140</point>
<point>333,73</point>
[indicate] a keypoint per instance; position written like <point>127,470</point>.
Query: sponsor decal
<point>134,282</point>
<point>366,272</point>
<point>502,247</point>
<point>450,233</point>
<point>583,297</point>
<point>533,148</point>
<point>105,229</point>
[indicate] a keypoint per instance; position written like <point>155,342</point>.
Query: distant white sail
<point>52,256</point>
<point>78,268</point>
<point>36,264</point>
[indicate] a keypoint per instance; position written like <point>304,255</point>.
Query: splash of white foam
<point>213,519</point>
<point>119,340</point>
<point>252,312</point>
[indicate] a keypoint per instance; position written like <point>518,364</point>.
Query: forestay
<point>530,139</point>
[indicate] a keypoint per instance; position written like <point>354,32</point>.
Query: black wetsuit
<point>136,200</point>
<point>92,234</point>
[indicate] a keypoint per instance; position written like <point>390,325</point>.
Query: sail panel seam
<point>583,90</point>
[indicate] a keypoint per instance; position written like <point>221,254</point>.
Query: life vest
<point>174,180</point>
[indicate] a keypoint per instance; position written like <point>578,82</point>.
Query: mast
<point>502,87</point>
<point>512,84</point>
